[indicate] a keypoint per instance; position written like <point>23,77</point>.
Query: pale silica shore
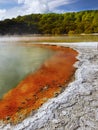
<point>77,107</point>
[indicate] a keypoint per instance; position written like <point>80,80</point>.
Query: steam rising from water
<point>16,62</point>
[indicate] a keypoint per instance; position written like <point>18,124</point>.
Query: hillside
<point>67,23</point>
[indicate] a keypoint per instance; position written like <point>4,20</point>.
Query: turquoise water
<point>18,61</point>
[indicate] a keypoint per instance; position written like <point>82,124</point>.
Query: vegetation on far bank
<point>67,23</point>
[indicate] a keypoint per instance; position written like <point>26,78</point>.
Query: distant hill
<point>67,23</point>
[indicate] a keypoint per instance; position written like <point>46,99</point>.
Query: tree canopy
<point>51,23</point>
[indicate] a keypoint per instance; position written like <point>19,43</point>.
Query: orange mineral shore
<point>38,87</point>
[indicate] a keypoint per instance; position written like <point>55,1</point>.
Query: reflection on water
<point>18,61</point>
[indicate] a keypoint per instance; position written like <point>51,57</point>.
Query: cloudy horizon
<point>14,8</point>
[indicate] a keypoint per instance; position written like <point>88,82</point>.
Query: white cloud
<point>56,3</point>
<point>42,6</point>
<point>2,13</point>
<point>36,6</point>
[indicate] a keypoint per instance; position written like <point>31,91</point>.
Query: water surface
<point>18,61</point>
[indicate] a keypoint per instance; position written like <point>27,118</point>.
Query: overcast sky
<point>13,8</point>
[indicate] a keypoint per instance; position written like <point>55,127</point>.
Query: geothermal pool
<point>30,75</point>
<point>17,61</point>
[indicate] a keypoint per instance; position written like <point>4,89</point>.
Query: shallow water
<point>17,61</point>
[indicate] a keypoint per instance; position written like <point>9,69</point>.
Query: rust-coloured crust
<point>39,86</point>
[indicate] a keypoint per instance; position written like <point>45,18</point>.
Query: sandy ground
<point>77,107</point>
